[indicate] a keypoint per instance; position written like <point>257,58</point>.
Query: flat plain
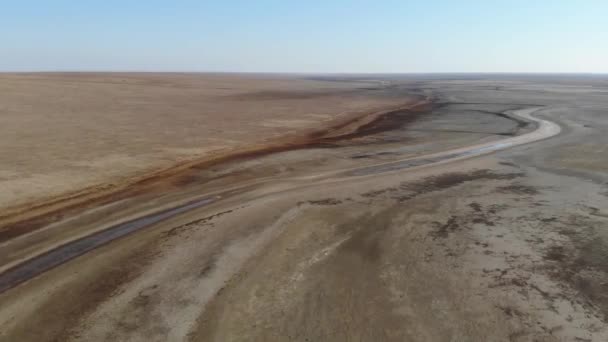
<point>62,133</point>
<point>304,207</point>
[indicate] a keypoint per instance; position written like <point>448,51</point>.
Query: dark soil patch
<point>475,206</point>
<point>326,201</point>
<point>444,230</point>
<point>449,180</point>
<point>393,120</point>
<point>508,164</point>
<point>584,265</point>
<point>376,193</point>
<point>410,190</point>
<point>521,123</point>
<point>556,253</point>
<point>518,189</point>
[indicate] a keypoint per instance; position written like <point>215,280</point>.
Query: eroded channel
<point>64,253</point>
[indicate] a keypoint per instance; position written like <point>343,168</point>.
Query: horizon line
<point>305,72</point>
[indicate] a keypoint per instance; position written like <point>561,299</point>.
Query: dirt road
<point>433,229</point>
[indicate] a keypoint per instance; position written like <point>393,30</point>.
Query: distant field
<point>63,132</point>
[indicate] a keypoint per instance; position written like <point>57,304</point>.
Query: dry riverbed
<point>297,246</point>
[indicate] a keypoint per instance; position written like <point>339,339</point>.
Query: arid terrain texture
<point>73,135</point>
<point>231,207</point>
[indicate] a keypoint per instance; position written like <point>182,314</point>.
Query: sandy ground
<point>509,246</point>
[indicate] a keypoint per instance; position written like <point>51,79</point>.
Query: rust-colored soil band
<point>26,218</point>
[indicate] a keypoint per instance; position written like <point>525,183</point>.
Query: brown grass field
<point>65,136</point>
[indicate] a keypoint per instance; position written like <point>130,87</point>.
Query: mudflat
<point>465,207</point>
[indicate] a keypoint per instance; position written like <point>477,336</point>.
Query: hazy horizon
<point>341,37</point>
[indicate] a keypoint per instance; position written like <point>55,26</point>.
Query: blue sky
<point>305,36</point>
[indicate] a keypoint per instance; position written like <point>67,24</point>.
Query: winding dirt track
<point>57,256</point>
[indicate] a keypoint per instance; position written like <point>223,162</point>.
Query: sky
<point>314,36</point>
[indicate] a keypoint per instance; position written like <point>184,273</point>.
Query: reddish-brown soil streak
<point>39,215</point>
